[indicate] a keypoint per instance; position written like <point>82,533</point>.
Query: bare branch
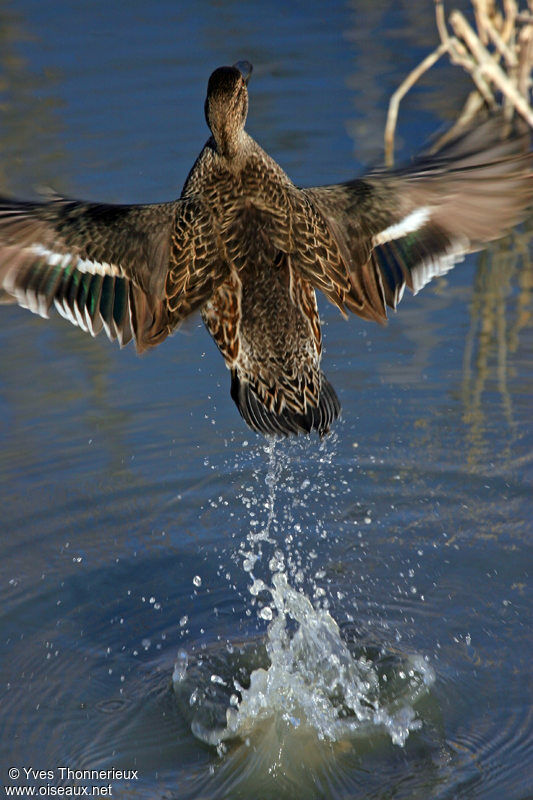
<point>401,91</point>
<point>488,67</point>
<point>468,49</point>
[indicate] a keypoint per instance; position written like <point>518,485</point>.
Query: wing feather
<point>134,271</point>
<point>402,228</point>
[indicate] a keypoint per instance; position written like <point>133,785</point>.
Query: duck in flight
<point>248,249</point>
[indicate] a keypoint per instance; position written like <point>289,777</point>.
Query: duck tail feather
<point>286,422</point>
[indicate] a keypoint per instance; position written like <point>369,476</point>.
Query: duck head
<point>226,106</point>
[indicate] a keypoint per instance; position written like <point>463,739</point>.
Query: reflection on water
<point>29,123</point>
<point>501,307</point>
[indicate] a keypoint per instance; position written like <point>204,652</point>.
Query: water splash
<point>315,680</point>
<point>306,673</point>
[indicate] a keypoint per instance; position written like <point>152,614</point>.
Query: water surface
<point>137,512</point>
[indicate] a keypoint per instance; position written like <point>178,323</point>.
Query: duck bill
<point>245,68</point>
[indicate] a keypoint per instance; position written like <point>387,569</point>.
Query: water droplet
<point>197,580</point>
<point>193,698</point>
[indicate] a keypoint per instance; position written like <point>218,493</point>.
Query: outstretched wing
<point>404,227</point>
<point>134,271</point>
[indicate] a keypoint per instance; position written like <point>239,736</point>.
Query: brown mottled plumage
<point>248,248</point>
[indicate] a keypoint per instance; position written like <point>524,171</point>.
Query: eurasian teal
<point>248,249</point>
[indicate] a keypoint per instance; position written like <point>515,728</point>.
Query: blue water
<point>130,489</point>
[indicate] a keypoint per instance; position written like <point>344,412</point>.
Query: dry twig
<point>498,57</point>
